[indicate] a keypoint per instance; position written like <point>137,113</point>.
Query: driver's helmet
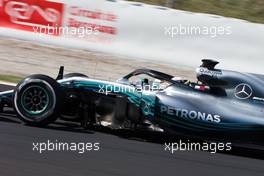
<point>145,81</point>
<point>145,84</point>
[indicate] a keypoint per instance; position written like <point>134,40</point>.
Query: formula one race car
<point>220,102</point>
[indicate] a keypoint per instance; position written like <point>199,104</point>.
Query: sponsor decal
<point>146,108</point>
<point>243,91</point>
<point>103,22</point>
<point>205,71</point>
<point>27,14</point>
<point>95,27</point>
<point>81,12</point>
<point>191,114</point>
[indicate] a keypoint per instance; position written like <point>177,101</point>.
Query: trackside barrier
<point>136,30</point>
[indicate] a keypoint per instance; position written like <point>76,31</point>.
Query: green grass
<point>10,78</point>
<point>250,10</point>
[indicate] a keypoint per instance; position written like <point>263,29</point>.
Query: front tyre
<point>37,100</point>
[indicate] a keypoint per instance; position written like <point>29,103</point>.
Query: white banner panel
<point>147,32</point>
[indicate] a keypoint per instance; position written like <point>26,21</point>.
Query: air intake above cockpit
<point>209,63</point>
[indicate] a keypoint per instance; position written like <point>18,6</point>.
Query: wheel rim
<point>35,100</point>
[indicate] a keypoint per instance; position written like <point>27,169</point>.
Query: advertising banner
<point>136,30</point>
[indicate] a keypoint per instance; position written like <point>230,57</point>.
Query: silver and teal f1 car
<point>220,102</point>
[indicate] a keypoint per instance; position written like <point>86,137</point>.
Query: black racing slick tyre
<point>37,100</point>
<point>69,75</point>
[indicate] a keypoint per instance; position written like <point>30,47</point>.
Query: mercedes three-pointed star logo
<point>243,91</point>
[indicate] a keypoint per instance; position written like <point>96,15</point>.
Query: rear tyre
<point>75,75</point>
<point>37,100</point>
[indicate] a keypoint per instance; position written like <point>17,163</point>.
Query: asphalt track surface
<point>118,155</point>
